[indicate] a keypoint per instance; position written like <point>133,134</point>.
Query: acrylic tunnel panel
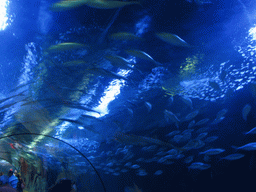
<point>43,164</point>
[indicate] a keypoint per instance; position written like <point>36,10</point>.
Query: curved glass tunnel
<point>42,166</point>
<point>131,96</point>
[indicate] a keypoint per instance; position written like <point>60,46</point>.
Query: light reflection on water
<point>3,14</point>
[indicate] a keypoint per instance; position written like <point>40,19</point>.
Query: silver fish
<point>247,147</point>
<point>212,151</point>
<point>234,156</point>
<point>199,165</point>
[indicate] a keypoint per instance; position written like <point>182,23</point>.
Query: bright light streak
<point>3,14</point>
<point>110,93</point>
<point>252,32</point>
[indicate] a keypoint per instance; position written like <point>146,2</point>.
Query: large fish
<point>99,4</point>
<point>131,139</point>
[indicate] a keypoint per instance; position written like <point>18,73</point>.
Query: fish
<point>65,47</point>
<point>149,106</point>
<point>141,55</point>
<point>187,131</point>
<point>118,61</point>
<point>194,144</point>
<point>202,2</point>
<point>187,101</point>
<point>74,63</point>
<point>169,116</point>
<point>131,139</point>
<point>158,172</point>
<point>221,113</point>
<point>247,147</point>
<point>212,151</point>
<point>245,111</point>
<point>191,124</point>
<point>234,156</point>
<point>172,39</point>
<point>203,129</point>
<point>103,4</point>
<point>124,36</point>
<point>201,122</point>
<point>211,139</point>
<point>191,115</point>
<point>173,133</point>
<point>202,135</point>
<point>98,4</point>
<point>217,120</point>
<point>189,159</point>
<point>66,5</point>
<point>252,131</point>
<point>199,165</point>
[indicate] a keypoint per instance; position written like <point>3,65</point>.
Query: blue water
<point>116,131</point>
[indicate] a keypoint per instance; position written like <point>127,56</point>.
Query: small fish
<point>191,115</point>
<point>247,147</point>
<point>177,138</point>
<point>199,165</point>
<point>252,131</point>
<point>203,121</point>
<point>217,120</point>
<point>212,152</point>
<point>194,144</point>
<point>103,4</point>
<point>221,113</point>
<point>187,131</point>
<point>202,2</point>
<point>135,166</point>
<point>65,47</point>
<point>149,106</point>
<point>189,159</point>
<point>203,129</point>
<point>141,55</point>
<point>173,133</point>
<point>191,124</point>
<point>66,5</point>
<point>202,135</point>
<point>246,110</point>
<point>170,100</point>
<point>234,156</point>
<point>130,111</point>
<point>124,36</point>
<point>159,172</point>
<point>187,101</point>
<point>172,39</point>
<point>75,63</point>
<point>169,116</point>
<point>119,61</point>
<point>211,139</point>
